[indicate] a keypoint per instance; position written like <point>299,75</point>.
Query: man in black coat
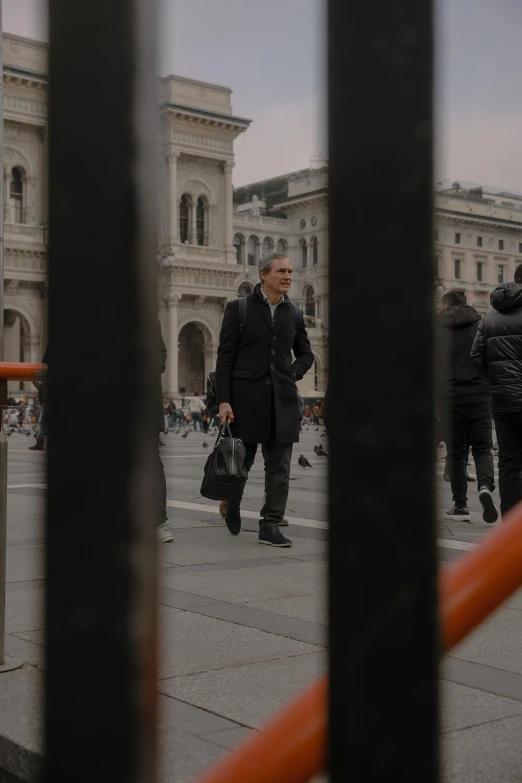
<point>465,405</point>
<point>497,352</point>
<point>256,385</point>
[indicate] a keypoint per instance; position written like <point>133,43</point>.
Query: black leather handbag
<point>225,473</point>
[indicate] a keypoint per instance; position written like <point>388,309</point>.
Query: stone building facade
<point>477,242</point>
<point>200,268</point>
<point>210,236</point>
<point>25,208</point>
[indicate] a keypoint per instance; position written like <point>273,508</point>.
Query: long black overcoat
<point>255,372</point>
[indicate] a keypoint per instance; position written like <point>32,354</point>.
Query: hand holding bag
<point>225,471</point>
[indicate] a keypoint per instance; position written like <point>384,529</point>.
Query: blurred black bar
<point>383,615</point>
<point>103,394</point>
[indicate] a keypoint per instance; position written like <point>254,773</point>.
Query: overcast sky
<point>272,55</point>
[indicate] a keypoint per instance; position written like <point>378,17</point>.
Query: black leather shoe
<point>233,517</point>
<point>273,537</point>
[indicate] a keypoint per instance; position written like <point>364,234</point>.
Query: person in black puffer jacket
<point>465,406</point>
<point>497,352</point>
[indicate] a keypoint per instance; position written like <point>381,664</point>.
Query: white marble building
<point>478,240</point>
<point>200,268</point>
<point>210,237</point>
<point>25,210</point>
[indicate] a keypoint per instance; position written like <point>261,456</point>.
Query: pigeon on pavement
<point>304,462</point>
<point>205,444</point>
<point>185,434</point>
<point>320,451</point>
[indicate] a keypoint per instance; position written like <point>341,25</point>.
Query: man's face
<point>280,276</point>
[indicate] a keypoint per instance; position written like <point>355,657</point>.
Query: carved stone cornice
<point>303,201</point>
<point>197,277</point>
<point>188,139</point>
<point>15,104</point>
<point>478,221</point>
<point>198,118</point>
<point>23,79</point>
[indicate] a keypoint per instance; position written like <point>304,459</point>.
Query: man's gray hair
<point>266,261</point>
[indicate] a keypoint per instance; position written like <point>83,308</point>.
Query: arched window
<point>310,302</point>
<point>244,290</point>
<point>268,245</point>
<point>252,250</point>
<point>314,253</point>
<point>16,194</point>
<point>200,222</point>
<point>281,246</point>
<point>304,252</point>
<point>239,244</point>
<point>184,219</point>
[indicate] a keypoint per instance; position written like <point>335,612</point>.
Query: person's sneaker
<point>273,537</point>
<point>470,476</point>
<point>163,533</point>
<point>459,513</point>
<point>489,509</point>
<point>233,517</point>
<point>223,509</point>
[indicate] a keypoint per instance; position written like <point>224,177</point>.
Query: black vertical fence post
<point>383,615</point>
<point>104,394</point>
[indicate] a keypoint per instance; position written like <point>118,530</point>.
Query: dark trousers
<point>469,424</point>
<point>508,426</point>
<point>197,419</point>
<point>277,457</point>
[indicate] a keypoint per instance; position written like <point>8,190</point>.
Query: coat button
<point>272,366</point>
<point>275,338</point>
<point>273,353</point>
<point>268,380</point>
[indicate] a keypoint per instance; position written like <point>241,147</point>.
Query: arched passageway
<point>191,362</point>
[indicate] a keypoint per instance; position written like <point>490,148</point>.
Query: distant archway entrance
<point>17,342</point>
<point>191,363</point>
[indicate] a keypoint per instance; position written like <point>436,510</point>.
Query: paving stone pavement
<point>249,622</point>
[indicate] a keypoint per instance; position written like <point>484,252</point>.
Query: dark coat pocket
<point>242,373</point>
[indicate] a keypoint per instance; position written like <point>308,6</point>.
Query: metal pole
<point>382,583</point>
<point>3,532</point>
<point>103,500</point>
<point>7,663</point>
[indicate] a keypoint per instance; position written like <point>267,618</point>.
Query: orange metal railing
<point>21,371</point>
<point>469,590</point>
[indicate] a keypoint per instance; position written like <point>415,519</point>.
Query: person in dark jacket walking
<point>464,400</point>
<point>256,386</point>
<point>497,352</point>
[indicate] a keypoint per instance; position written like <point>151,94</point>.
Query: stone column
<point>44,134</point>
<point>44,318</point>
<point>7,193</point>
<point>172,345</point>
<point>210,352</point>
<point>229,234</point>
<point>193,232</point>
<point>173,221</point>
<point>12,345</point>
<point>35,350</point>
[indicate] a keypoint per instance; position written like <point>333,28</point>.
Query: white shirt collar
<point>267,300</point>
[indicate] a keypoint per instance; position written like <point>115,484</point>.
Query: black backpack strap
<point>242,312</point>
